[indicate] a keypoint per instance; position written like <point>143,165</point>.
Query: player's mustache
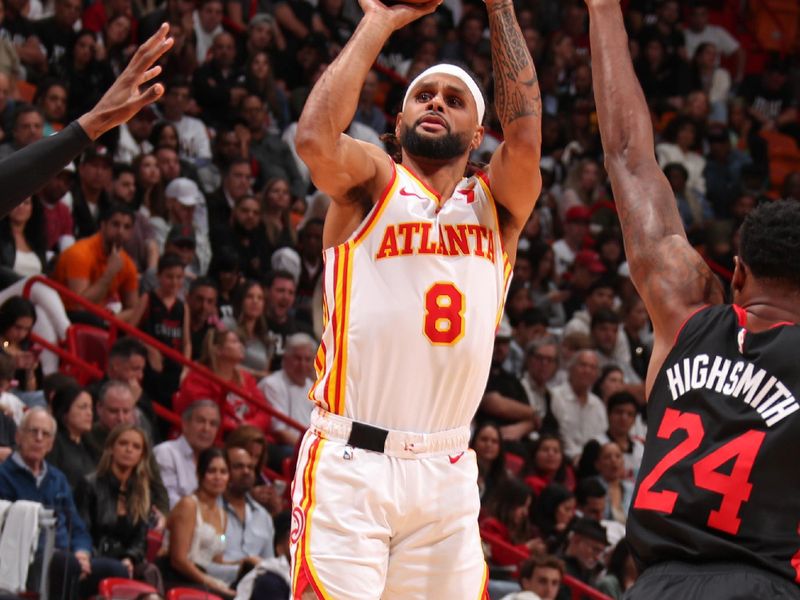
<point>437,116</point>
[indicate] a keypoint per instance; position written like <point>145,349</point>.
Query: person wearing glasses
<point>26,475</point>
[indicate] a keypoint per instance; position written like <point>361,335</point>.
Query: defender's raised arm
<point>514,169</point>
<point>670,275</point>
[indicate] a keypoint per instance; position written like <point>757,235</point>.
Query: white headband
<point>455,71</point>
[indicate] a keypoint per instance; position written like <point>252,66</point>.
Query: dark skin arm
<point>514,169</point>
<point>671,277</point>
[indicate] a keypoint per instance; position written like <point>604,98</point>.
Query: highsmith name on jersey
<point>411,302</point>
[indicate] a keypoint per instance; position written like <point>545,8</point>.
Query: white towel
<point>18,544</point>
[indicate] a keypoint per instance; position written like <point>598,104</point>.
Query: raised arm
<point>514,173</point>
<point>672,279</point>
<point>338,163</point>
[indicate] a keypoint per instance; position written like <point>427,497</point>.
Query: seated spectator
<point>622,409</point>
<point>89,193</point>
<point>218,83</point>
<point>699,31</point>
<point>72,410</point>
<point>580,414</point>
<point>186,206</point>
<point>251,325</point>
<point>115,503</point>
<point>638,334</point>
<point>260,81</point>
<point>287,390</point>
<point>620,574</point>
<point>507,518</point>
<point>202,304</point>
<point>166,319</point>
<point>237,177</point>
<point>587,542</point>
<point>99,270</point>
<point>142,246</point>
<point>681,141</point>
<point>177,459</point>
<point>28,476</point>
<point>277,200</point>
<point>693,207</point>
<point>57,217</point>
<point>545,293</point>
<point>611,473</point>
<point>612,349</point>
<point>244,234</point>
<point>223,353</point>
<point>17,318</point>
<point>116,406</point>
<point>770,100</point>
<point>582,188</point>
<point>664,77</point>
<point>197,528</point>
<point>134,136</point>
<point>590,497</point>
<point>547,464</point>
<point>530,326</point>
<point>266,492</point>
<point>487,442</point>
<point>709,77</point>
<point>505,400</point>
<point>540,575</point>
<point>541,365</point>
<point>27,128</point>
<point>10,405</point>
<point>23,248</point>
<point>51,98</point>
<point>227,277</point>
<point>552,514</point>
<point>194,141</point>
<point>250,533</point>
<point>281,288</point>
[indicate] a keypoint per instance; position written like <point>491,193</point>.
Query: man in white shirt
<point>193,138</point>
<point>580,414</point>
<point>541,365</point>
<point>207,21</point>
<point>287,389</point>
<point>134,136</point>
<point>177,459</point>
<point>699,31</point>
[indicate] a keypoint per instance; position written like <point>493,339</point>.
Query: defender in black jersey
<point>716,509</point>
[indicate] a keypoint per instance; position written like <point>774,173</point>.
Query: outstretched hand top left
<point>125,98</point>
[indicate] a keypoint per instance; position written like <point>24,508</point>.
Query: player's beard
<point>443,147</point>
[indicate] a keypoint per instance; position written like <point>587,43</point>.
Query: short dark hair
<point>127,347</point>
<point>202,282</point>
<point>544,561</point>
<point>168,261</point>
<point>24,109</point>
<point>621,399</point>
<point>205,459</point>
<point>119,168</point>
<point>116,208</point>
<point>769,242</point>
<point>601,283</point>
<point>587,488</point>
<point>15,308</point>
<point>604,316</point>
<point>63,400</point>
<point>272,276</point>
<point>533,316</point>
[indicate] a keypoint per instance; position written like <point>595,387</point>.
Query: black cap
<point>591,529</point>
<point>96,151</point>
<point>181,235</point>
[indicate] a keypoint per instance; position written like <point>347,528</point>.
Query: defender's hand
<point>124,99</point>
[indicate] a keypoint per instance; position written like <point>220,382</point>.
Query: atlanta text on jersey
<point>740,379</point>
<point>405,239</point>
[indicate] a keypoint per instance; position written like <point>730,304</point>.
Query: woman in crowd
<point>72,410</point>
<point>487,442</point>
<point>23,255</point>
<point>620,573</point>
<point>115,502</point>
<point>680,145</point>
<point>507,517</point>
<point>251,325</point>
<point>223,353</point>
<point>664,78</point>
<point>610,467</point>
<point>197,530</point>
<point>611,381</point>
<point>544,289</point>
<point>712,79</point>
<point>260,80</point>
<point>17,318</point>
<point>582,187</point>
<point>86,76</point>
<point>277,202</point>
<point>552,514</point>
<point>547,464</point>
<point>113,43</point>
<point>227,274</point>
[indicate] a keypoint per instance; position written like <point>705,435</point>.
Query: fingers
<point>152,49</point>
<point>149,74</point>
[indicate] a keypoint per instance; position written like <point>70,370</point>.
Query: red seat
<point>89,343</point>
<point>190,594</point>
<point>117,588</point>
<point>155,540</point>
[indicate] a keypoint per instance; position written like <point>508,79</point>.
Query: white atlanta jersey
<point>411,304</point>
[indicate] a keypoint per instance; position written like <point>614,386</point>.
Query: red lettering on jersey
<point>478,232</point>
<point>457,239</point>
<point>425,246</point>
<point>407,230</point>
<point>388,247</point>
<point>469,194</point>
<point>442,249</point>
<point>490,249</point>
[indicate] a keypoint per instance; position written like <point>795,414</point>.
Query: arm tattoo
<point>516,87</point>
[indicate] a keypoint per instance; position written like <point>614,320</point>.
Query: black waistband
<point>367,437</point>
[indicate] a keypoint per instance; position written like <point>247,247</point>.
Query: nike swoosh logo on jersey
<point>405,192</point>
<point>454,459</point>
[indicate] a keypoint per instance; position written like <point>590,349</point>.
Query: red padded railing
<point>580,591</point>
<point>116,324</point>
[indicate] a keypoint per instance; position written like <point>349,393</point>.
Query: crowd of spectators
<point>197,223</point>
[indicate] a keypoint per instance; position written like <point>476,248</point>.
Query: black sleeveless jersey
<point>720,477</point>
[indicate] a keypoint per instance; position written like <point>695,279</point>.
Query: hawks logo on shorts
<point>298,525</point>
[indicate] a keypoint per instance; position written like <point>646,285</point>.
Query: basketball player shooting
<point>717,502</point>
<point>417,263</point>
<point>28,169</point>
